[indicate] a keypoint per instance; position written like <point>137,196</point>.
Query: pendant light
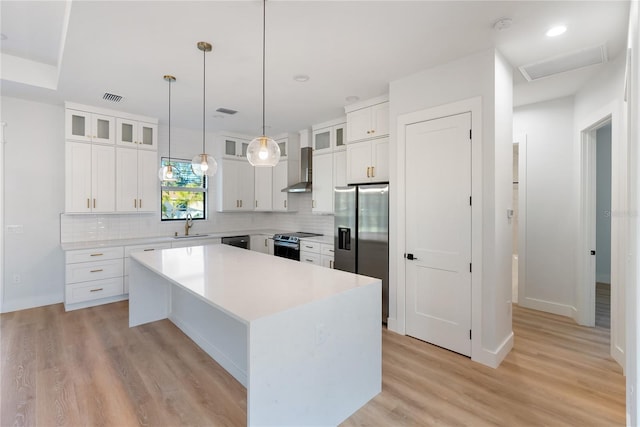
<point>168,173</point>
<point>262,150</point>
<point>204,164</point>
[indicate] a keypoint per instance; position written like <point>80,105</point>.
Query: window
<point>186,195</point>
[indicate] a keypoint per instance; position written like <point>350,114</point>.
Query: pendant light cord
<point>169,122</point>
<point>264,31</point>
<point>204,92</point>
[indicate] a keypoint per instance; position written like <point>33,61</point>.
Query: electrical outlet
<point>17,279</point>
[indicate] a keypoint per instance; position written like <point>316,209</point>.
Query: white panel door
<point>77,177</point>
<point>103,178</point>
<point>148,184</point>
<point>126,180</point>
<point>263,188</point>
<point>438,232</point>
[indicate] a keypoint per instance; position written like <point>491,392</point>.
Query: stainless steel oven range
<point>287,245</point>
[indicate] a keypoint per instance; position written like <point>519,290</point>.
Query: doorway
<point>603,227</point>
<point>438,211</point>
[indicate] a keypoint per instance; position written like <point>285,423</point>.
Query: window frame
<point>204,190</point>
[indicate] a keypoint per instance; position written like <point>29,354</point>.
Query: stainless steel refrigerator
<point>361,230</point>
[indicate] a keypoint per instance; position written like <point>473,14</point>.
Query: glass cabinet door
<point>78,125</point>
<point>322,140</point>
<point>339,133</point>
<point>127,132</point>
<point>147,135</point>
<point>283,149</point>
<point>229,147</point>
<point>102,127</point>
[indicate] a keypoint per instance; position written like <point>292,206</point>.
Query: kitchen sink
<point>191,236</point>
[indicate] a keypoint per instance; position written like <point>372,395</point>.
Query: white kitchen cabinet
<point>89,127</point>
<point>317,253</point>
<point>263,189</point>
<point>326,255</point>
<point>280,181</point>
<point>262,243</point>
<point>329,136</point>
<point>93,276</point>
<point>234,147</point>
<point>368,122</point>
<point>322,186</point>
<point>235,181</point>
<point>133,133</point>
<point>89,178</point>
<point>340,168</point>
<point>136,180</point>
<point>368,161</point>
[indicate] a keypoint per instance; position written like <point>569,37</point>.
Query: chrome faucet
<point>188,224</point>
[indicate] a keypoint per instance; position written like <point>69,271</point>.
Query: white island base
<point>304,340</point>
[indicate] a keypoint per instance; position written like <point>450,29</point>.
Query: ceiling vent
<point>226,111</point>
<point>111,97</point>
<point>565,62</point>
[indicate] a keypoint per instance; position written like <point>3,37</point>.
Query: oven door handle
<point>287,245</point>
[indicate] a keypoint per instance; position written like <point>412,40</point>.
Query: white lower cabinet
<point>138,248</point>
<point>262,243</point>
<point>93,276</point>
<point>316,253</point>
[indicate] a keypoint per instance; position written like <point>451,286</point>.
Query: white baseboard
<point>548,306</point>
<point>493,358</point>
<point>392,324</point>
<point>93,303</point>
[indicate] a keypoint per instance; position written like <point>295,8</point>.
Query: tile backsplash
<point>93,227</point>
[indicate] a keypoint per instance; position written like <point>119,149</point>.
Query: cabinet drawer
<point>145,248</point>
<point>97,270</point>
<point>95,254</point>
<point>310,257</point>
<point>327,250</point>
<point>97,289</point>
<point>309,246</point>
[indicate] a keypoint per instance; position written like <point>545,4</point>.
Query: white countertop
<point>246,284</point>
<point>70,246</point>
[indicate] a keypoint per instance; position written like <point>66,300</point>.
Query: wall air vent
<point>226,111</point>
<point>565,62</point>
<point>111,97</point>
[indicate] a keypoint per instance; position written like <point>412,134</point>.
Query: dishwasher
<point>237,241</point>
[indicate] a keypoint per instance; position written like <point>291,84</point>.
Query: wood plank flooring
<point>87,368</point>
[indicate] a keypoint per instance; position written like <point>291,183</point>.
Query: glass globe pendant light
<point>262,150</point>
<point>168,173</point>
<point>204,164</point>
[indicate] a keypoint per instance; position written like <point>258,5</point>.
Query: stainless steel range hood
<point>304,186</point>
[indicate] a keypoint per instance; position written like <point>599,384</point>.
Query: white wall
<point>34,197</point>
<point>483,75</point>
<point>603,204</point>
<point>550,230</point>
<point>632,216</point>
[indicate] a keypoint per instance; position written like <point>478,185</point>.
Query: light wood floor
<point>87,368</point>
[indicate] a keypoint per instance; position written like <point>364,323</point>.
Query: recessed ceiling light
<point>352,98</point>
<point>502,24</point>
<point>556,31</point>
<point>301,78</point>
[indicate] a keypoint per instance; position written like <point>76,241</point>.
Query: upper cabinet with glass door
<point>233,146</point>
<point>329,136</point>
<point>137,134</point>
<point>89,127</point>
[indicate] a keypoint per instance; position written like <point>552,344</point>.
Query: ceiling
<point>56,51</point>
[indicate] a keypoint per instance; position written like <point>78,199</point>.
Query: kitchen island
<point>304,340</point>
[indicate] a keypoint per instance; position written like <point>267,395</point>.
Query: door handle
<point>410,257</point>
